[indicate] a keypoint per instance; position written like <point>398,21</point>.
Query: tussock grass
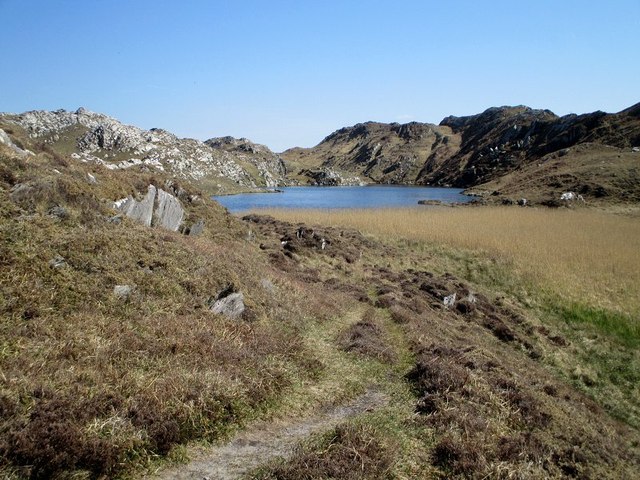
<point>583,256</point>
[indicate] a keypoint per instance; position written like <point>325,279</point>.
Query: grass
<point>95,385</point>
<point>581,256</point>
<point>576,273</point>
<point>613,324</point>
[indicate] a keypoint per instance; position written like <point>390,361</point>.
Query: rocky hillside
<point>96,138</point>
<point>471,151</point>
<point>376,152</point>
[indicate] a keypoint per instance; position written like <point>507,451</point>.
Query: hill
<point>99,139</point>
<point>478,151</point>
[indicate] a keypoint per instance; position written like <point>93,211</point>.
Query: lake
<point>369,196</point>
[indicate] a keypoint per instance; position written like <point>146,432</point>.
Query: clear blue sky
<point>288,73</point>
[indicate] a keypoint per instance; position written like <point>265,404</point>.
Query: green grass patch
<point>617,325</point>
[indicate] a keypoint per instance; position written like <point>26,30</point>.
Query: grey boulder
<point>231,306</point>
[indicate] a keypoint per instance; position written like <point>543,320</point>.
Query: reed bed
<point>583,256</point>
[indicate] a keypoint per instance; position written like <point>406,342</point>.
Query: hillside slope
<point>96,138</point>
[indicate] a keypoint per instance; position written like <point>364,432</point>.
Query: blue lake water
<point>369,196</point>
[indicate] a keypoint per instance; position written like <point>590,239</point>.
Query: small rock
<point>20,191</point>
<point>116,219</point>
<point>91,178</point>
<point>268,285</point>
<point>523,202</point>
<point>57,262</point>
<point>197,228</point>
<point>122,292</point>
<point>449,300</point>
<point>231,306</point>
<point>58,212</point>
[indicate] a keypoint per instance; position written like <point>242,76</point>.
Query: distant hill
<point>479,150</point>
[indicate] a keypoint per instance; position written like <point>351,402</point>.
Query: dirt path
<point>263,442</point>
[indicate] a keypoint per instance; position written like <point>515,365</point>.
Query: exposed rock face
<point>5,139</point>
<point>328,177</point>
<point>140,211</point>
<point>104,140</point>
<point>270,166</point>
<point>157,208</point>
<point>169,212</point>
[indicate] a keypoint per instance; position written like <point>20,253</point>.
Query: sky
<point>288,73</point>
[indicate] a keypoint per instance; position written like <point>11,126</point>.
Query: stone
<point>141,211</point>
<point>20,191</point>
<point>169,212</point>
<point>197,228</point>
<point>231,306</point>
<point>571,197</point>
<point>5,139</point>
<point>122,292</point>
<point>91,179</point>
<point>166,212</point>
<point>523,202</point>
<point>268,286</point>
<point>58,212</point>
<point>57,262</point>
<point>449,301</point>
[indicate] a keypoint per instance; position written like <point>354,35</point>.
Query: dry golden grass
<point>584,256</point>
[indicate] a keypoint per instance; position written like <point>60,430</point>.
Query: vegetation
<point>519,377</point>
<point>567,325</point>
<point>579,255</point>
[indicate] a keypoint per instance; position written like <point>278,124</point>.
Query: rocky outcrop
<point>168,212</point>
<point>328,177</point>
<point>376,152</point>
<point>140,211</point>
<point>271,168</point>
<point>501,140</point>
<point>101,139</point>
<point>157,208</point>
<point>5,139</point>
